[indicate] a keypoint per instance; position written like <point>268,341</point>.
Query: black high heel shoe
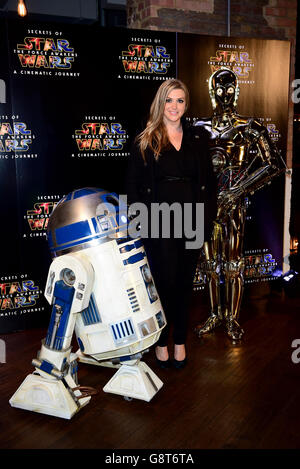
<point>163,364</point>
<point>179,364</point>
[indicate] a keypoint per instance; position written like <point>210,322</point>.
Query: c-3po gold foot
<point>211,323</point>
<point>234,330</point>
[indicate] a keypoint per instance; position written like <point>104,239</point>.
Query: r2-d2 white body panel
<point>99,285</point>
<point>122,317</point>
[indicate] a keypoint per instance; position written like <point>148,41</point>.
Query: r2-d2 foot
<point>52,388</point>
<point>134,381</point>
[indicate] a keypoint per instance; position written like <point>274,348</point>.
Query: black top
<point>175,174</point>
<point>146,183</point>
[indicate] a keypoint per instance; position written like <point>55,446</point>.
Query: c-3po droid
<point>100,285</point>
<point>244,160</point>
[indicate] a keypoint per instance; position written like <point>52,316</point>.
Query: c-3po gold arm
<point>272,165</point>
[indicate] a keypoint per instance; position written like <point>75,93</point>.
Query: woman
<point>170,164</point>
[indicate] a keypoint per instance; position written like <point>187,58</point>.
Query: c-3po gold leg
<point>234,280</point>
<point>211,269</point>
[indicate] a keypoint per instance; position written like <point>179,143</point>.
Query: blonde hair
<point>155,135</point>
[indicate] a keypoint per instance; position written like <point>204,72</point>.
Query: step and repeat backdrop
<point>73,98</point>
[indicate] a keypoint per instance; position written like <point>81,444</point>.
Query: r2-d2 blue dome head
<point>85,218</point>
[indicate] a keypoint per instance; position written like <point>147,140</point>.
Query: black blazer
<point>140,178</point>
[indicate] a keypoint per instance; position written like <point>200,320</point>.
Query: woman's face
<point>174,106</point>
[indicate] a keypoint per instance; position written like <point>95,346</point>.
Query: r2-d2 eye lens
<point>68,276</point>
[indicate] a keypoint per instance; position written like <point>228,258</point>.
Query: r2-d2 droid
<point>100,285</point>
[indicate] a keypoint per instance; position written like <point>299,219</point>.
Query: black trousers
<point>173,268</point>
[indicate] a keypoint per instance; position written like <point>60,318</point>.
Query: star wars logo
<point>239,61</point>
<point>17,295</point>
<point>146,59</point>
<point>260,265</point>
<point>94,137</point>
<point>15,137</point>
<point>38,218</point>
<point>45,53</point>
